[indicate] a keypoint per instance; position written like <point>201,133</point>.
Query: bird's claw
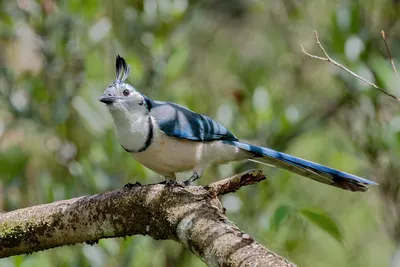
<point>172,183</point>
<point>130,186</point>
<point>192,178</point>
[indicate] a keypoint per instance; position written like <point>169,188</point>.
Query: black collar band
<point>149,139</point>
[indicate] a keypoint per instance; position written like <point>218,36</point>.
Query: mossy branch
<point>191,215</point>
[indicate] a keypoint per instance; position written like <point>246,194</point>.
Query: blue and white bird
<point>168,138</point>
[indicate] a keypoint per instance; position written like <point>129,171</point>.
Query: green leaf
<point>325,222</point>
<point>280,215</point>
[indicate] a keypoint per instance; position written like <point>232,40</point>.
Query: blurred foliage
<point>237,61</point>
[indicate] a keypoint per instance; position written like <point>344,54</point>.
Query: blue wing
<point>180,122</point>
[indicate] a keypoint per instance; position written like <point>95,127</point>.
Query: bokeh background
<point>238,61</point>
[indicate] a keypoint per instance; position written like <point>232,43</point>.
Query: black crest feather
<point>122,69</point>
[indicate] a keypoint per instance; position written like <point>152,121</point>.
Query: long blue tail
<point>305,168</point>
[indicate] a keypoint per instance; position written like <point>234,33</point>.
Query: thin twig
<point>329,59</point>
<point>390,55</point>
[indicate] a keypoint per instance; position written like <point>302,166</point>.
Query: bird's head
<point>120,95</point>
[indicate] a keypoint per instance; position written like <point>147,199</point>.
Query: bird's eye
<point>126,92</point>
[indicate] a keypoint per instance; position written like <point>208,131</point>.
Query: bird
<point>169,138</point>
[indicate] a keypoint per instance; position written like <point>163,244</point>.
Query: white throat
<point>132,128</point>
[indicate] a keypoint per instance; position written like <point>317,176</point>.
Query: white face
<point>122,96</point>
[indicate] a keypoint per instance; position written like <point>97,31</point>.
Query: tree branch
<point>390,55</point>
<point>234,183</point>
<point>329,59</point>
<point>190,215</point>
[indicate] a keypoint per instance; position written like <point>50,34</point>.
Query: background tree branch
<point>329,59</point>
<point>192,215</point>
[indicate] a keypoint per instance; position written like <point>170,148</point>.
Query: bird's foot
<point>130,186</point>
<point>192,178</point>
<point>172,183</point>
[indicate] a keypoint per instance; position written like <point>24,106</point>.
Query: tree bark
<point>191,215</point>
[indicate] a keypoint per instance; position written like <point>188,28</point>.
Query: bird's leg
<point>192,178</point>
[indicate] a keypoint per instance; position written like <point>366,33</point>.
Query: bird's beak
<point>107,98</point>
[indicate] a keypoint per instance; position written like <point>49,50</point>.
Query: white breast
<point>132,128</point>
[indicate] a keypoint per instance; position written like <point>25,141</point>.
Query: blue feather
<point>306,168</point>
<point>180,122</point>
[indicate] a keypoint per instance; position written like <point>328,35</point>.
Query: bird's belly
<point>167,155</point>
